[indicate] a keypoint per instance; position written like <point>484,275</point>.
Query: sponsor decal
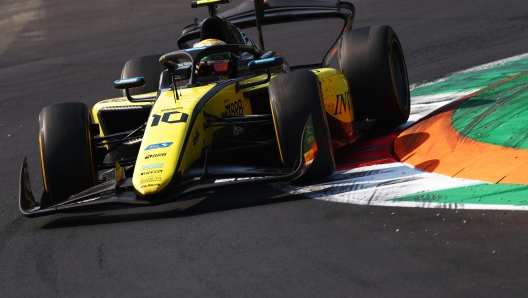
<point>152,172</point>
<point>343,103</point>
<point>151,179</point>
<point>150,185</point>
<point>309,157</point>
<point>237,130</point>
<point>172,109</point>
<point>261,61</point>
<point>128,81</point>
<point>234,108</point>
<point>152,166</point>
<point>310,145</point>
<point>159,145</point>
<point>236,179</point>
<point>155,155</point>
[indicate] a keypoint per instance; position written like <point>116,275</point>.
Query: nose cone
<point>160,151</point>
<point>162,146</point>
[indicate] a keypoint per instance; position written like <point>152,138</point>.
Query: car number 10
<point>167,118</point>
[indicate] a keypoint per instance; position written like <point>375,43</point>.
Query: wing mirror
<point>132,83</point>
<point>178,74</point>
<point>265,63</point>
<point>129,83</point>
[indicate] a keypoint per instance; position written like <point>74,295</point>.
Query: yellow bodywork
<point>177,134</point>
<point>336,94</point>
<point>170,122</point>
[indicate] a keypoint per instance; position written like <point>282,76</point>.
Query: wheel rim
<point>400,74</point>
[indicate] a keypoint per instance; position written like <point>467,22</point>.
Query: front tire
<point>294,97</point>
<point>371,58</point>
<point>65,150</point>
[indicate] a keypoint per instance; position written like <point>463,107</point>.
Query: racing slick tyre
<point>371,58</point>
<point>147,67</point>
<point>294,97</point>
<point>65,150</point>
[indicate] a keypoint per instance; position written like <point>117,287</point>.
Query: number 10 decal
<point>166,118</point>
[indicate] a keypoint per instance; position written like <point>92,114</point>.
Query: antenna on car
<point>259,14</point>
<point>175,89</point>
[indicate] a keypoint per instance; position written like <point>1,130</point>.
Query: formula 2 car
<point>221,113</point>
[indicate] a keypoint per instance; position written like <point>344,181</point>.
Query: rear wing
<point>277,12</point>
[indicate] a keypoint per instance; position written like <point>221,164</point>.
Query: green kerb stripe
<point>497,116</point>
<point>496,194</point>
<point>474,80</point>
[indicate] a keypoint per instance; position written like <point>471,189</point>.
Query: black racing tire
<point>294,96</point>
<point>371,58</point>
<point>147,67</point>
<point>65,150</point>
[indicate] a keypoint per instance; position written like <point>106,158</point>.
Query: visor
<point>212,67</point>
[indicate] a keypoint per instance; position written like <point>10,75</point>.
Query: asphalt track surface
<point>245,241</point>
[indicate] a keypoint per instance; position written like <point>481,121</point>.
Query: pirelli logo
<point>155,155</point>
<point>151,172</point>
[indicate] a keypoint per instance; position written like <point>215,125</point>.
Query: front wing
<point>121,192</point>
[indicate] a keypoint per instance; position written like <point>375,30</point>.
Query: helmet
<point>214,67</point>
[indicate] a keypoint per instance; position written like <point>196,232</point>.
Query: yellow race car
<point>221,113</point>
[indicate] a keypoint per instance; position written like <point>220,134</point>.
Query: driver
<point>215,67</point>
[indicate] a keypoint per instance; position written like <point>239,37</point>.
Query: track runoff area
<point>465,146</point>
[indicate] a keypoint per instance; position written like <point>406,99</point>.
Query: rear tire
<point>294,96</point>
<point>371,58</point>
<point>147,67</point>
<point>65,150</point>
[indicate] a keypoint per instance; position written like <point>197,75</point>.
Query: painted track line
<point>376,185</point>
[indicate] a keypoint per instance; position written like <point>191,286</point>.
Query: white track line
<point>375,185</point>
